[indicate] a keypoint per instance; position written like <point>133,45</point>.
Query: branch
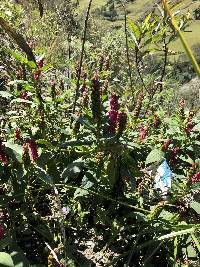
<point>18,38</point>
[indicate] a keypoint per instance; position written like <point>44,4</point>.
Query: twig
<point>127,46</point>
<point>103,196</point>
<point>164,64</point>
<point>81,59</point>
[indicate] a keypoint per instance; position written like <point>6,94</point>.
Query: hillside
<point>138,8</point>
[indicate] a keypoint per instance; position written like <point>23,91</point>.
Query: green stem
<point>183,41</point>
<point>106,197</point>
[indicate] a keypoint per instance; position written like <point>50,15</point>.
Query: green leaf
<point>5,94</point>
<point>43,175</point>
<point>18,256</point>
<point>14,150</point>
<point>154,156</point>
<point>72,170</point>
<point>196,127</point>
<point>178,233</point>
<point>19,100</point>
<point>195,206</point>
<point>5,241</point>
<point>6,260</point>
<point>45,143</point>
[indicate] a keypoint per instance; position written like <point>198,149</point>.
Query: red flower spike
<point>166,145</point>
<point>195,178</point>
<point>17,134</point>
<point>113,113</point>
<point>143,132</point>
<point>2,231</point>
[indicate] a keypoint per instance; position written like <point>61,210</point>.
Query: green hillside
<point>138,8</point>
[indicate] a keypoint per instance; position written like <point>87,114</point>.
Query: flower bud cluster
<point>3,156</point>
<point>96,104</point>
<point>30,148</point>
<point>174,154</point>
<point>195,178</point>
<point>138,105</point>
<point>17,134</point>
<point>37,73</point>
<point>189,126</point>
<point>113,113</point>
<point>166,145</point>
<point>182,104</point>
<point>143,132</point>
<point>156,121</point>
<point>121,122</point>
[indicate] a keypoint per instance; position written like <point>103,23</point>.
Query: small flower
<point>2,231</point>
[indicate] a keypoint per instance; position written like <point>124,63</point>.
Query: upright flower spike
<point>138,105</point>
<point>33,150</point>
<point>174,154</point>
<point>121,122</point>
<point>37,73</point>
<point>143,132</point>
<point>2,231</point>
<point>3,156</point>
<point>189,126</point>
<point>53,88</point>
<point>30,148</point>
<point>166,145</point>
<point>113,113</point>
<point>195,178</point>
<point>156,121</point>
<point>17,134</point>
<point>182,105</point>
<point>96,104</point>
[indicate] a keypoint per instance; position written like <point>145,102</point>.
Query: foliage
<point>78,188</point>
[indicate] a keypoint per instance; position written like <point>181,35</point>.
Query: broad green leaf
<point>72,170</point>
<point>178,233</point>
<point>20,100</point>
<point>43,175</point>
<point>195,206</point>
<point>45,143</point>
<point>154,156</point>
<point>5,94</point>
<point>196,127</point>
<point>14,150</point>
<point>5,241</point>
<point>6,260</point>
<point>18,256</point>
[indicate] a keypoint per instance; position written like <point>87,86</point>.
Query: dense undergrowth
<point>85,123</point>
